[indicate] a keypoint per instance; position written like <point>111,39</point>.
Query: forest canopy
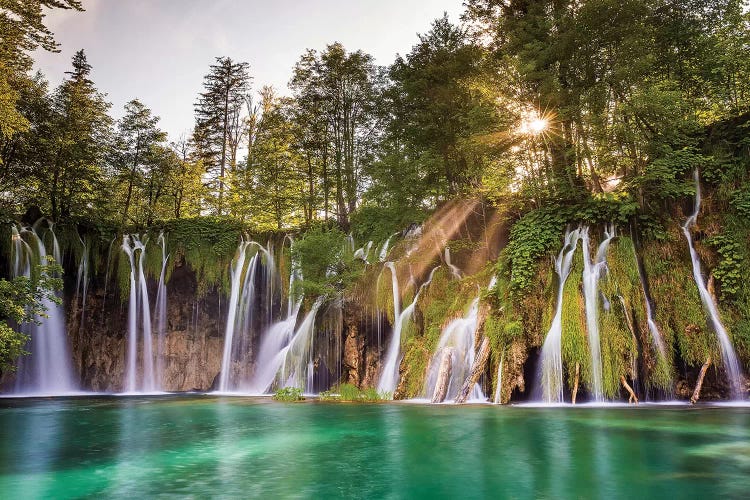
<point>599,106</point>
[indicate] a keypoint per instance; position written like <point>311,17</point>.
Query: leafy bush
<point>288,394</point>
<point>22,301</point>
<point>376,223</point>
<point>327,267</point>
<point>536,234</point>
<point>731,247</point>
<point>667,176</point>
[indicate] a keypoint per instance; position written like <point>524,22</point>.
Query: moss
<point>444,300</point>
<point>677,305</point>
<point>575,348</point>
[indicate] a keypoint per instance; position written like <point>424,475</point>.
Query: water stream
<point>593,269</point>
<point>728,355</point>
<point>48,369</point>
<point>551,377</point>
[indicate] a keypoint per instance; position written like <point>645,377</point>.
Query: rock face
<point>193,345</point>
<point>361,356</point>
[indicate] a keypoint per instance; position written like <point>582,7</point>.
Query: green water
<point>238,448</point>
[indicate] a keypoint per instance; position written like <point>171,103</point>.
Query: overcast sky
<point>159,50</point>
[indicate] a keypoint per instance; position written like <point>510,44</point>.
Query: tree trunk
<point>633,398</point>
<point>699,384</point>
<point>444,377</point>
<point>476,371</point>
<point>223,149</point>
<point>576,380</point>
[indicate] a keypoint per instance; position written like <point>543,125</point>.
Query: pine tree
<point>218,129</point>
<point>79,143</point>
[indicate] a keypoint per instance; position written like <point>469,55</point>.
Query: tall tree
<point>23,31</point>
<point>219,124</point>
<point>79,143</point>
<point>341,88</point>
<point>441,104</point>
<point>278,187</point>
<point>136,153</point>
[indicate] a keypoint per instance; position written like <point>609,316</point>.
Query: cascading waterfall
<point>551,379</point>
<point>277,338</point>
<point>296,369</point>
<point>593,269</point>
<point>499,388</point>
<point>458,338</point>
<point>240,327</point>
<point>238,266</point>
<point>389,374</point>
<point>728,355</point>
<point>48,368</point>
<point>138,305</point>
<point>383,253</point>
<point>160,313</point>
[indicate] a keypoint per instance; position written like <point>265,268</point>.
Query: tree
<point>137,152</point>
<point>277,196</point>
<point>23,31</point>
<point>22,301</point>
<point>341,89</point>
<point>218,129</point>
<point>185,184</point>
<point>441,104</point>
<point>79,143</point>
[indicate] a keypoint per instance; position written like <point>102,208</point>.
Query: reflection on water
<point>235,447</point>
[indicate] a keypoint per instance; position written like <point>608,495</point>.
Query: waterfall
<point>455,271</point>
<point>82,279</point>
<point>364,252</point>
<point>383,253</point>
<point>728,356</point>
<point>458,338</point>
<point>499,388</point>
<point>238,266</point>
<point>551,379</point>
<point>389,374</point>
<point>592,272</point>
<point>47,369</point>
<point>293,362</point>
<point>138,307</point>
<point>160,313</point>
<point>277,337</point>
<point>652,327</point>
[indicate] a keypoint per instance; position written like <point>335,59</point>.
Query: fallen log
<point>699,384</point>
<point>575,383</point>
<point>444,377</point>
<point>476,371</point>
<point>633,398</point>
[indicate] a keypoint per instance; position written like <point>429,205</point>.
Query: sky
<point>159,50</point>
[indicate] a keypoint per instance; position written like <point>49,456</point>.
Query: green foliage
<point>288,394</point>
<point>207,244</point>
<point>22,301</point>
<point>351,393</point>
<point>536,234</point>
<point>677,305</point>
<point>377,223</point>
<point>733,259</point>
<point>574,345</point>
<point>667,177</point>
<point>741,202</point>
<point>326,261</point>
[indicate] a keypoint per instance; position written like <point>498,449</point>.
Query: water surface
<point>206,446</point>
